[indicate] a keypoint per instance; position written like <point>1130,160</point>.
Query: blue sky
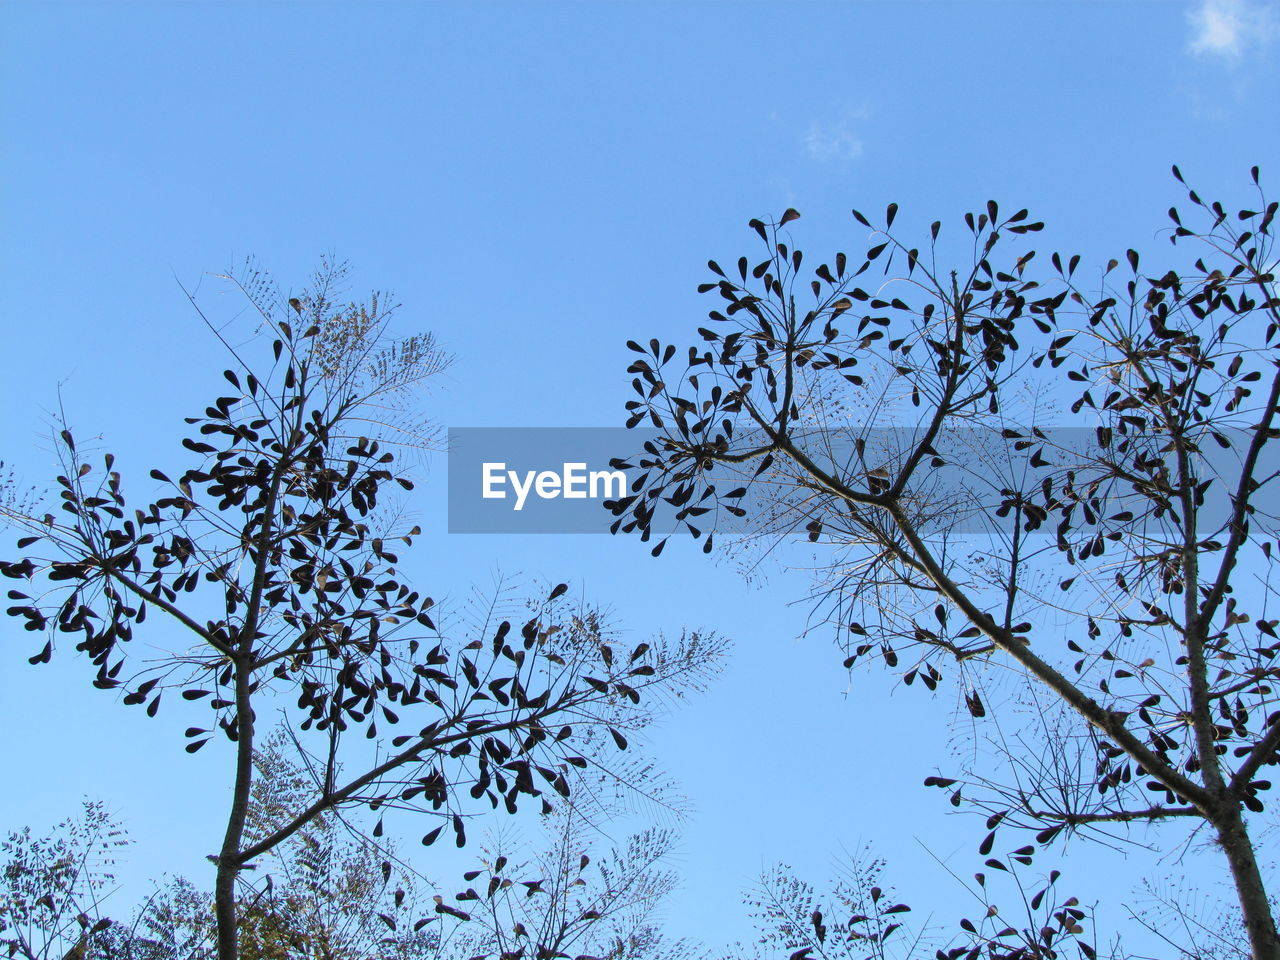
<point>538,183</point>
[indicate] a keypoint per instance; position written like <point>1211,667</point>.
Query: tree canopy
<point>276,555</point>
<point>1016,465</point>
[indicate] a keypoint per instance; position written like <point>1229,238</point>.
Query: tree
<point>1119,557</point>
<point>331,891</point>
<point>585,903</point>
<point>52,887</point>
<point>275,554</point>
<point>328,891</point>
<point>861,918</point>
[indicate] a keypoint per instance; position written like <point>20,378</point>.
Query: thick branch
<point>157,601</point>
<point>1105,720</point>
<point>1240,505</point>
<point>1117,816</point>
<point>1264,750</point>
<point>334,798</point>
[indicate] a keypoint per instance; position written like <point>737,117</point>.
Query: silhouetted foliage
<point>276,556</point>
<point>52,888</point>
<point>334,891</point>
<point>861,918</point>
<point>900,412</point>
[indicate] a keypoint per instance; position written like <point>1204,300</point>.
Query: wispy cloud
<point>836,139</point>
<point>1226,28</point>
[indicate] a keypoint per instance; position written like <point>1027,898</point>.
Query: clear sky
<point>539,182</point>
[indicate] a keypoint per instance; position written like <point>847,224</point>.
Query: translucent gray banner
<point>570,479</point>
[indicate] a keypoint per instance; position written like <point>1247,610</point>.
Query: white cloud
<point>837,139</point>
<point>1227,27</point>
